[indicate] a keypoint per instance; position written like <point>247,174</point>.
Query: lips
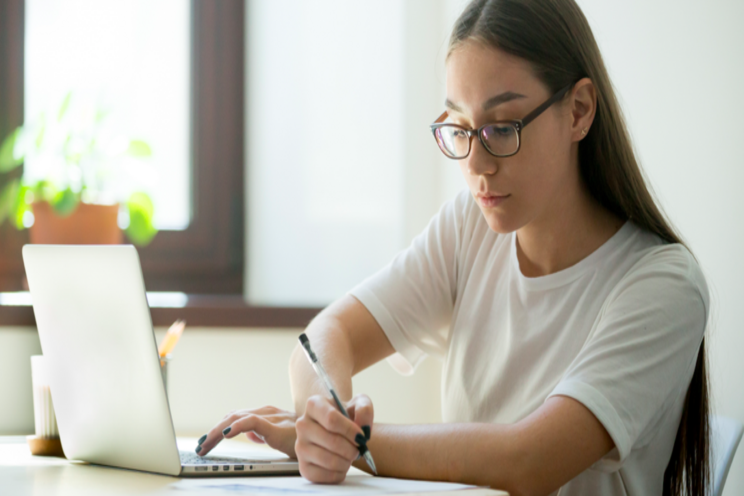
<point>490,200</point>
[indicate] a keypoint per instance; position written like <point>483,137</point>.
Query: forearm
<point>479,454</point>
<point>331,344</point>
<point>536,455</point>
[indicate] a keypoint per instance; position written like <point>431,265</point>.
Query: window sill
<point>196,310</point>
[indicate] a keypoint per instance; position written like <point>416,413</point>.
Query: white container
<point>44,419</point>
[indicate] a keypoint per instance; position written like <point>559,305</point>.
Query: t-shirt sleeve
<point>641,354</point>
<point>412,298</point>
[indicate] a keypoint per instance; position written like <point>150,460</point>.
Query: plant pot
<point>87,225</point>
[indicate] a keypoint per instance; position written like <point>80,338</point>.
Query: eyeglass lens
<point>501,139</point>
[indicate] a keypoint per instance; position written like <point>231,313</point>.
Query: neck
<point>565,235</point>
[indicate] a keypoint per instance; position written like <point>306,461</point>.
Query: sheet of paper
<point>354,485</point>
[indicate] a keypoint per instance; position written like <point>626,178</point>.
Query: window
<point>327,207</point>
<point>201,250</point>
<point>136,73</point>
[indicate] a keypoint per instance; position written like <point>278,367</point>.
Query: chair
<point>725,436</point>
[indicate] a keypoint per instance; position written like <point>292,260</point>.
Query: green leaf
<point>65,105</point>
<point>21,207</point>
<point>9,160</point>
<point>141,229</point>
<point>138,148</point>
<point>65,202</point>
<point>42,191</point>
<point>8,198</point>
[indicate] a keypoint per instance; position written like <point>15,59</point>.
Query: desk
<point>24,475</point>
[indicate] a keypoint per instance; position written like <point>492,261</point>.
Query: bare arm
<point>537,455</point>
<point>347,340</point>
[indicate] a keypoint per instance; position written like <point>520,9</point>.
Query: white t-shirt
<point>619,332</point>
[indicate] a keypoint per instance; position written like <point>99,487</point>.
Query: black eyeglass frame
<point>518,124</point>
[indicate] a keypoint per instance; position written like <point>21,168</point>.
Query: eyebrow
<point>490,103</point>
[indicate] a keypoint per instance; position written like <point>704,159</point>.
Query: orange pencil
<point>171,338</point>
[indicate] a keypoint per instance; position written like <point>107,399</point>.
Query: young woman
<point>569,315</point>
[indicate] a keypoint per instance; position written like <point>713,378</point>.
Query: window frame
<point>206,260</point>
<point>208,256</point>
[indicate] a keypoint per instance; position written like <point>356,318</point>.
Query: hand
<point>267,425</point>
<point>327,442</point>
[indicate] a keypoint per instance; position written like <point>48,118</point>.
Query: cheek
<point>542,167</point>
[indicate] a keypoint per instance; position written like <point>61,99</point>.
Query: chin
<point>500,224</point>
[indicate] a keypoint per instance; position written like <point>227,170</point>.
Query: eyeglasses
<point>500,138</point>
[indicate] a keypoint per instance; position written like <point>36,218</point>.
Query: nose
<point>480,162</point>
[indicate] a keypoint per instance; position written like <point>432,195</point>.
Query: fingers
<point>214,436</point>
<point>264,420</point>
<point>255,438</point>
<point>322,458</point>
<point>319,475</point>
<point>248,423</point>
<point>327,441</point>
<point>361,410</point>
<point>324,412</point>
<point>312,433</point>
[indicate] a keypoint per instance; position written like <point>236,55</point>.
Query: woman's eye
<point>502,130</point>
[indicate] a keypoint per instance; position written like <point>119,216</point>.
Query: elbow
<point>295,378</point>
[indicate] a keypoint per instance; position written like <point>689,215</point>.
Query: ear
<point>583,108</point>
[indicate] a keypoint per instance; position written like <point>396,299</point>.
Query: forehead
<point>476,72</point>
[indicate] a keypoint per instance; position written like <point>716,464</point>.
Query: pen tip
<point>370,462</point>
<point>303,339</point>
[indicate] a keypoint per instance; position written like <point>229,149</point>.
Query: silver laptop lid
<point>95,330</point>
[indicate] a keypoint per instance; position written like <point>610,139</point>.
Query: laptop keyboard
<point>191,458</point>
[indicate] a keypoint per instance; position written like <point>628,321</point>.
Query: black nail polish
<point>367,431</point>
<point>198,449</point>
<point>360,440</point>
<point>227,430</point>
<point>202,439</point>
<point>362,449</point>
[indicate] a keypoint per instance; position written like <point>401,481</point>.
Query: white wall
<point>357,174</point>
<point>678,66</point>
<point>215,371</point>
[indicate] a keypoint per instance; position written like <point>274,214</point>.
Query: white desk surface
<point>22,474</point>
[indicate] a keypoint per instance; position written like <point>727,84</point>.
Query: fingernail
<point>198,448</point>
<point>367,431</point>
<point>204,438</point>
<point>362,449</point>
<point>360,440</point>
<point>227,430</point>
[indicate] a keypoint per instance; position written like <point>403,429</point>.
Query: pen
<point>329,385</point>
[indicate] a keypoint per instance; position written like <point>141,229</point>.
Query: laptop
<point>108,392</point>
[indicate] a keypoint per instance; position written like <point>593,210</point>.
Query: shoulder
<point>663,272</point>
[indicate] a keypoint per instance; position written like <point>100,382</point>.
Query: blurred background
<point>285,151</point>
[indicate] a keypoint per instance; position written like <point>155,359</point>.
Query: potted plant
<point>81,179</point>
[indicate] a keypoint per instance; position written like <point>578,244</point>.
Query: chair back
<point>725,436</point>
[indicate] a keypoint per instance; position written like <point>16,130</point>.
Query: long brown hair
<point>555,38</point>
